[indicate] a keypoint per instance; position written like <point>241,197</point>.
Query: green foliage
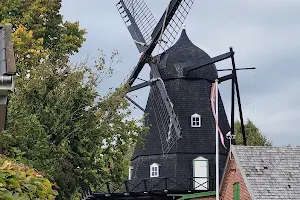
<point>28,50</point>
<point>40,31</point>
<point>57,121</point>
<point>19,182</point>
<point>253,134</point>
<point>59,124</point>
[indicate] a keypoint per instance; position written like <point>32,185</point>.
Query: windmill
<point>181,81</point>
<point>147,35</point>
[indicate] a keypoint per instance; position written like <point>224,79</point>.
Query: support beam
<point>225,78</point>
<point>246,68</point>
<point>238,96</point>
<point>108,188</point>
<point>207,62</point>
<point>141,79</point>
<point>126,187</point>
<point>136,104</point>
<point>139,86</point>
<point>232,102</point>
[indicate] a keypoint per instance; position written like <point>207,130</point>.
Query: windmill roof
<point>270,172</point>
<point>183,54</point>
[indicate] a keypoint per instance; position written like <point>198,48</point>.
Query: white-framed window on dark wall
<point>196,120</point>
<point>154,170</point>
<point>130,172</point>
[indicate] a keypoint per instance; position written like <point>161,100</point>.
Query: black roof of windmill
<point>173,74</point>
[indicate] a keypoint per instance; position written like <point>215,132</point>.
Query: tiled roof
<point>271,172</point>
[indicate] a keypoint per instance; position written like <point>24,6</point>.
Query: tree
<point>28,50</point>
<point>60,125</point>
<point>57,121</point>
<point>40,31</point>
<point>253,134</point>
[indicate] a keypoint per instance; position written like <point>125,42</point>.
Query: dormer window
<point>196,120</point>
<point>154,170</point>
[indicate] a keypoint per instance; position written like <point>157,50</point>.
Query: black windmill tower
<point>178,108</point>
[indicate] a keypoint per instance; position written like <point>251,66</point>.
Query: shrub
<point>19,182</point>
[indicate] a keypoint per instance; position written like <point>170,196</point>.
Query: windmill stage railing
<point>160,186</point>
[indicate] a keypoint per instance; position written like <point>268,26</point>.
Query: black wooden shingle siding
<point>189,95</point>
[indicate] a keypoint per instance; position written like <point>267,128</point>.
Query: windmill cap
<point>183,54</point>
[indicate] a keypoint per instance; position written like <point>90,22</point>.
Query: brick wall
<point>233,175</point>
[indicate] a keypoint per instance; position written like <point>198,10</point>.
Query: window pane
<point>154,170</point>
<point>197,119</point>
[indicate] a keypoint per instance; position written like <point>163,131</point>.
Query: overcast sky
<point>264,34</point>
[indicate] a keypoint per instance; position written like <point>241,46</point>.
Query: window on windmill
<point>154,170</point>
<point>195,120</point>
<point>130,172</point>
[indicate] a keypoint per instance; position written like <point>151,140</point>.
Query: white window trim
<point>192,120</point>
<point>154,170</point>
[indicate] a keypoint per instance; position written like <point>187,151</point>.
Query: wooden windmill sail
<point>147,34</point>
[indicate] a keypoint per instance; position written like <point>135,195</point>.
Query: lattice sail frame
<point>175,25</point>
<point>139,20</point>
<point>140,23</point>
<point>165,124</point>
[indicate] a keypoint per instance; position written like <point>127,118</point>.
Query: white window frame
<point>130,172</point>
<point>196,120</point>
<point>154,170</point>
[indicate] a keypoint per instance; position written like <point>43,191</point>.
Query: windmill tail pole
<point>217,140</point>
<point>238,96</point>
